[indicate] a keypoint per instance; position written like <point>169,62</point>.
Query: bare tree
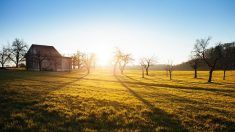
<point>87,61</point>
<point>74,61</point>
<point>170,68</point>
<point>19,49</point>
<point>209,56</point>
<point>125,59</point>
<point>142,64</point>
<point>228,57</point>
<point>147,62</point>
<point>116,58</point>
<point>77,59</point>
<point>194,63</point>
<point>4,55</point>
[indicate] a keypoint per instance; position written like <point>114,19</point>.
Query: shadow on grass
<point>29,113</point>
<point>159,117</point>
<point>227,92</point>
<point>181,87</point>
<point>191,105</point>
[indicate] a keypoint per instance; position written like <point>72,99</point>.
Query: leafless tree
<point>87,61</point>
<point>228,57</point>
<point>74,61</point>
<point>209,56</point>
<point>147,62</point>
<point>77,59</point>
<point>125,59</point>
<point>18,51</point>
<point>116,58</point>
<point>142,64</point>
<point>121,59</point>
<point>170,68</point>
<point>194,63</point>
<point>4,55</point>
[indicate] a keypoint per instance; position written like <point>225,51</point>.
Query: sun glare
<point>103,57</point>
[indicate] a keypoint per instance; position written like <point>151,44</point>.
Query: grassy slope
<point>101,101</point>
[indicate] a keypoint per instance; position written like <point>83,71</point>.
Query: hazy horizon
<point>165,29</point>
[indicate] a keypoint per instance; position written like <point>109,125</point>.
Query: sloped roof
<point>43,50</point>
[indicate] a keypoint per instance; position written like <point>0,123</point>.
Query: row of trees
<point>221,56</point>
<point>121,59</point>
<point>13,53</point>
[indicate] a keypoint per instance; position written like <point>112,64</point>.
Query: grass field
<point>61,101</point>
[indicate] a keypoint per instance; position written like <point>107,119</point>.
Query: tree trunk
<point>123,67</point>
<point>40,66</point>
<point>195,73</point>
<point>142,72</point>
<point>170,75</point>
<point>210,75</point>
<point>17,63</point>
<point>147,71</point>
<point>224,74</point>
<point>17,60</point>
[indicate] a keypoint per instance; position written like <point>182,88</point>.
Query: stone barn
<point>46,58</point>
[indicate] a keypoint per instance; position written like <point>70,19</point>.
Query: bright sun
<point>103,56</point>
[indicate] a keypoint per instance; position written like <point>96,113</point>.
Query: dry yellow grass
<point>58,101</point>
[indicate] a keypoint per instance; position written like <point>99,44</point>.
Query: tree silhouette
<point>87,61</point>
<point>146,62</point>
<point>209,56</point>
<point>4,55</point>
<point>142,64</point>
<point>116,58</point>
<point>228,57</point>
<point>18,51</point>
<point>125,59</point>
<point>170,68</point>
<point>77,59</point>
<point>194,63</point>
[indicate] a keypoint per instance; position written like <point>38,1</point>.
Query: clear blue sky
<point>164,28</point>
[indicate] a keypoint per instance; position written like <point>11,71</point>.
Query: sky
<point>166,29</point>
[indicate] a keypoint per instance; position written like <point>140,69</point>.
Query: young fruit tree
<point>146,63</point>
<point>170,68</point>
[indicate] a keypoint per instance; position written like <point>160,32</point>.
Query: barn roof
<point>43,50</point>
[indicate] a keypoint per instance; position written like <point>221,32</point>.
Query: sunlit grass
<point>64,101</point>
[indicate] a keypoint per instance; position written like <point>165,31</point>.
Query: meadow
<point>75,101</point>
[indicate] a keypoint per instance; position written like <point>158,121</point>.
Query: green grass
<point>61,101</point>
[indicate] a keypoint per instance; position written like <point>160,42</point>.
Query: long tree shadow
<point>56,85</point>
<point>226,91</point>
<point>159,117</point>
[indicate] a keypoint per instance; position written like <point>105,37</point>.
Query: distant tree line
<point>13,53</point>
